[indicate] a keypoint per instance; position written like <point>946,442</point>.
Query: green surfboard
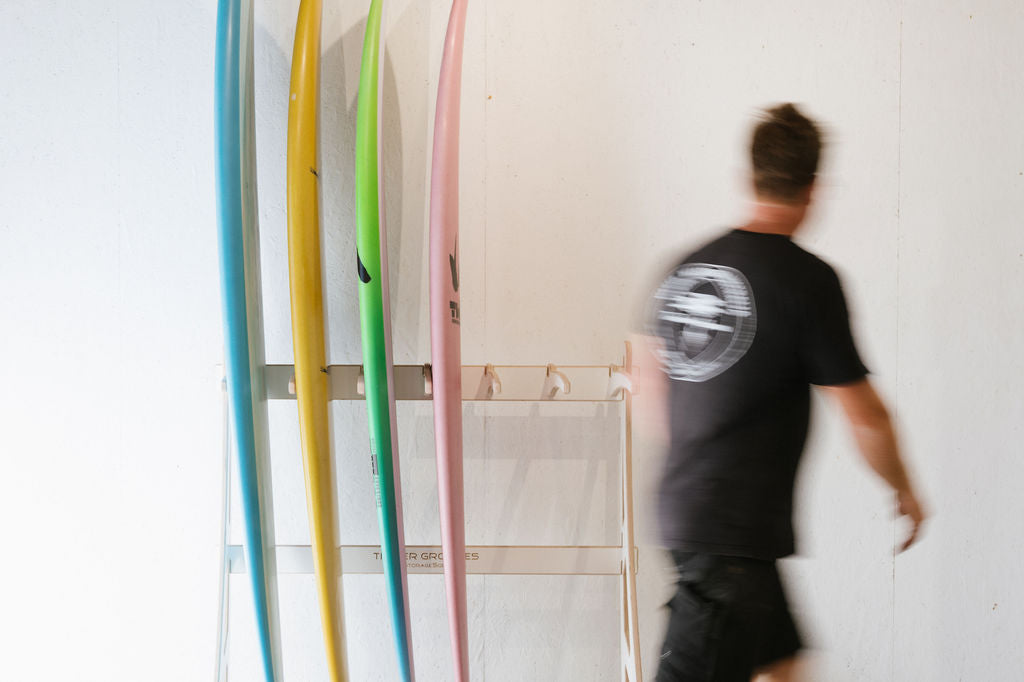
<point>375,323</point>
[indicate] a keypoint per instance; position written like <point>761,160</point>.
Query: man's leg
<point>778,659</point>
<point>716,631</point>
<point>687,653</point>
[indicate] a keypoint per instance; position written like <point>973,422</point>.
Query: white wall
<point>111,331</point>
<point>599,140</point>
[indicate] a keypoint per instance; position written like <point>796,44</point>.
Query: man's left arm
<point>650,385</point>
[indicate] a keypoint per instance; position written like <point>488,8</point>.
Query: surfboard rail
<point>306,292</point>
<point>238,241</point>
<point>445,337</point>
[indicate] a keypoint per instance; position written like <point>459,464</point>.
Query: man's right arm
<point>876,439</point>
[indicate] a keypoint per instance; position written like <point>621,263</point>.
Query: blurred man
<point>743,327</point>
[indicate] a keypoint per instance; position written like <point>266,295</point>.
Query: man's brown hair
<point>785,150</point>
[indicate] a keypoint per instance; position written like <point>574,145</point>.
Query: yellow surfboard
<point>308,325</point>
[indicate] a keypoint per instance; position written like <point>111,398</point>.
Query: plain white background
<point>600,140</point>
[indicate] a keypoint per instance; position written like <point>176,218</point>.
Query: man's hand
<point>876,440</point>
<point>908,505</point>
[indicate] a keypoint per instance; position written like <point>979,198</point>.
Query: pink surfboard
<point>445,343</point>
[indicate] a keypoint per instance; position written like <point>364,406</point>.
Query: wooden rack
<point>499,383</point>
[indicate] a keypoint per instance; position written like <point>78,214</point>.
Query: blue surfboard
<point>240,292</point>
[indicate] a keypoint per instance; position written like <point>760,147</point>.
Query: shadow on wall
<point>406,228</point>
<point>554,472</point>
<point>548,475</point>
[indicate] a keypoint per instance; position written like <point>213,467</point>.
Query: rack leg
<point>631,664</point>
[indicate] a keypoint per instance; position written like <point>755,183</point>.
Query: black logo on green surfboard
<point>364,276</point>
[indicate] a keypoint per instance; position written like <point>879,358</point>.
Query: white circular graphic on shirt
<point>706,317</point>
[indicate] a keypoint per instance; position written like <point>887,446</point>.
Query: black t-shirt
<point>747,323</point>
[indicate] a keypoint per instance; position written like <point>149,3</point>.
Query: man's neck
<point>776,218</point>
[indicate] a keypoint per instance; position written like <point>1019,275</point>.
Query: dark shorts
<point>729,617</point>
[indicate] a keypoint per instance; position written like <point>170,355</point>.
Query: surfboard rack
<point>556,381</point>
<point>498,383</point>
<point>493,383</point>
<point>480,559</point>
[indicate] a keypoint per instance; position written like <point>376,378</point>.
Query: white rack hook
<point>555,381</point>
<point>428,380</point>
<point>360,383</point>
<point>291,385</point>
<point>619,381</point>
<point>492,380</point>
